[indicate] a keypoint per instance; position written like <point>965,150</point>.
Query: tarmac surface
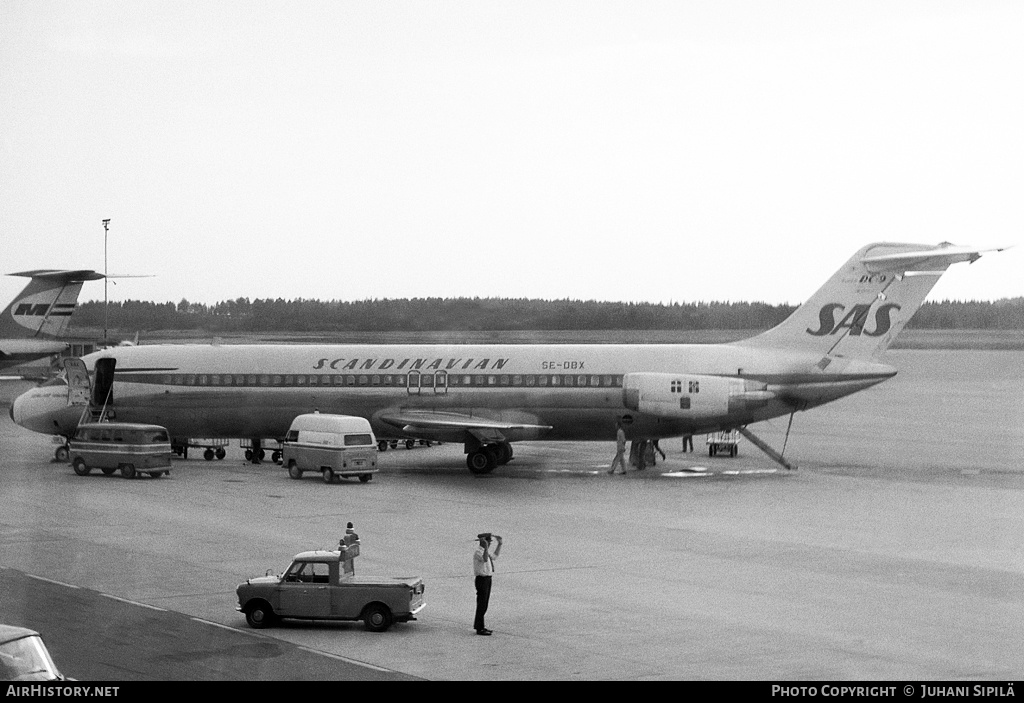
<point>895,552</point>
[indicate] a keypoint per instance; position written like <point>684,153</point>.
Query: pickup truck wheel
<point>259,615</point>
<point>293,470</point>
<point>80,467</point>
<point>377,617</point>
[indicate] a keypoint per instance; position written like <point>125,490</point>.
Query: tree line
<point>493,314</point>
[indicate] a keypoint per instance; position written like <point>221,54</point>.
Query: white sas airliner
<point>488,396</point>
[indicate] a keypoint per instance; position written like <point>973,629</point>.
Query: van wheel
<point>293,470</point>
<point>365,477</point>
<point>377,617</point>
<point>128,470</point>
<point>328,475</point>
<point>80,467</point>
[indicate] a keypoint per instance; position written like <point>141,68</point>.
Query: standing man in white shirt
<point>483,570</point>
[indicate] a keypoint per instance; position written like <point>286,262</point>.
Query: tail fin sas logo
<point>854,320</point>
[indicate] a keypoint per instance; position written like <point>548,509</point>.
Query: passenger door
<point>304,591</point>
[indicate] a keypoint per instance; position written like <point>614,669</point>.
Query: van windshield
<point>353,440</point>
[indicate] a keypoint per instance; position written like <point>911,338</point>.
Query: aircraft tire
<point>208,455</point>
<point>382,446</point>
<point>410,443</point>
<point>80,467</point>
<point>504,453</point>
<point>62,454</point>
<point>108,471</point>
<point>128,470</point>
<point>481,461</point>
<point>221,453</point>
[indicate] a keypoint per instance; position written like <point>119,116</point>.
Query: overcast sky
<point>640,151</point>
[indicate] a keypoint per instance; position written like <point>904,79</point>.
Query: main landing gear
<point>486,457</point>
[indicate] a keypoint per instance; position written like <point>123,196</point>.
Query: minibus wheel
<point>293,470</point>
<point>80,467</point>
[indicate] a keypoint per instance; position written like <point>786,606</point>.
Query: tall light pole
<point>105,223</point>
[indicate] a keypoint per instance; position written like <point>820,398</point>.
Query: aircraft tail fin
<point>44,307</point>
<point>860,310</point>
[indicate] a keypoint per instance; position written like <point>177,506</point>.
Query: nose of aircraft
<point>41,409</point>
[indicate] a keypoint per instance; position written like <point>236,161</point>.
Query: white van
<point>335,445</point>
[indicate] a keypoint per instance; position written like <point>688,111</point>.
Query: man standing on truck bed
<point>483,570</point>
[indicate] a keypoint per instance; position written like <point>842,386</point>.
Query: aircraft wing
<point>412,420</point>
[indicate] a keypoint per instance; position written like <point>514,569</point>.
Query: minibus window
<point>354,440</point>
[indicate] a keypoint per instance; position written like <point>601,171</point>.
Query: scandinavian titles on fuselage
<point>410,364</point>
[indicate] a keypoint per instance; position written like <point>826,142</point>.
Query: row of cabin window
<point>397,380</point>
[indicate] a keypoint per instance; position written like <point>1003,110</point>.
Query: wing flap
<point>411,420</point>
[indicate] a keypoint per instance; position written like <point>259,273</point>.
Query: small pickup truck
<point>322,585</point>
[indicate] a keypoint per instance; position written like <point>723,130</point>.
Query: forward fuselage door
<point>79,385</point>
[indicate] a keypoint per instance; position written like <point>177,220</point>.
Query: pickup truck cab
<point>322,585</point>
<point>338,446</point>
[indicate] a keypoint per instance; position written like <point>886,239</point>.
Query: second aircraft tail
<point>44,307</point>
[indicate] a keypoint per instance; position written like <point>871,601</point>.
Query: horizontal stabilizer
<point>60,276</point>
<point>937,258</point>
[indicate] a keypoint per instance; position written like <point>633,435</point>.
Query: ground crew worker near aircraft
<point>620,450</point>
<point>483,570</point>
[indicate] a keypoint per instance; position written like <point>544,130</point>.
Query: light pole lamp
<point>105,224</point>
